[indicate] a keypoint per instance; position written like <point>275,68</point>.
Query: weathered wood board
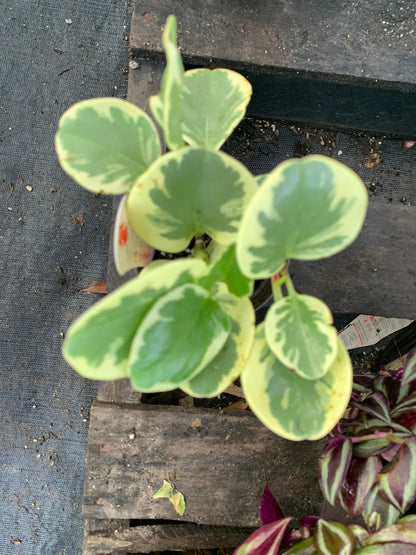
<point>220,462</point>
<point>345,64</point>
<point>120,536</point>
<point>376,275</point>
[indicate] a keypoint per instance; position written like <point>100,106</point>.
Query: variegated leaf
<point>333,538</point>
<point>224,268</point>
<point>227,365</point>
<point>397,480</point>
<point>370,447</point>
<point>289,405</point>
<point>166,106</point>
<point>97,344</point>
<point>106,143</point>
<point>396,548</point>
<point>304,547</point>
<point>299,332</point>
<point>409,375</point>
<point>187,192</point>
<point>307,208</point>
<point>213,103</point>
<point>361,476</point>
<point>129,250</point>
<point>403,531</point>
<point>376,405</point>
<point>266,540</point>
<point>334,464</point>
<point>163,353</point>
<point>377,512</point>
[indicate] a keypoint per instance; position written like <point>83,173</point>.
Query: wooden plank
<point>219,461</point>
<point>159,537</point>
<point>376,275</point>
<point>119,392</point>
<point>351,65</point>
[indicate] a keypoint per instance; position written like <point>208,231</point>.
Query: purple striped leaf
<point>389,386</point>
<point>363,383</point>
<point>395,548</point>
<point>333,537</point>
<point>397,480</point>
<point>362,474</point>
<point>389,453</point>
<point>370,447</point>
<point>406,405</point>
<point>377,511</point>
<point>403,531</point>
<point>334,465</point>
<point>266,540</point>
<point>270,510</point>
<point>376,405</point>
<point>409,375</point>
<point>305,547</point>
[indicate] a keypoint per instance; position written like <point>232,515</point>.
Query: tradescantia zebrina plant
<point>189,323</point>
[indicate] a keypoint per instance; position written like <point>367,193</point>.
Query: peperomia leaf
<point>361,476</point>
<point>106,143</point>
<point>225,268</point>
<point>397,480</point>
<point>299,332</point>
<point>97,344</point>
<point>266,540</point>
<point>227,365</point>
<point>289,405</point>
<point>129,250</point>
<point>334,464</point>
<point>166,106</point>
<point>163,354</point>
<point>187,192</point>
<point>306,209</point>
<point>377,512</point>
<point>213,103</point>
<point>333,537</point>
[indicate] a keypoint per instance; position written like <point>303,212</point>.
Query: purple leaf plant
<point>368,467</point>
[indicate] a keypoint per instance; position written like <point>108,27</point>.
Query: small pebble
<point>133,64</point>
<point>68,21</point>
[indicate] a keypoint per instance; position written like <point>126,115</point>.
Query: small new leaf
<point>169,491</point>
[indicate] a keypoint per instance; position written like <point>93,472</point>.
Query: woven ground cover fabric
<point>53,244</point>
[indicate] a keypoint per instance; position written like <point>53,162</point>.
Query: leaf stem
<point>289,284</point>
<point>277,280</point>
<point>199,250</point>
<point>378,435</point>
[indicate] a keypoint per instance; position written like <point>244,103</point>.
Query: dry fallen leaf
<point>196,423</point>
<point>373,160</point>
<point>175,497</point>
<point>96,287</point>
<point>238,405</point>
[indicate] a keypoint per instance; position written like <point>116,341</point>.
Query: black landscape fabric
<point>53,244</point>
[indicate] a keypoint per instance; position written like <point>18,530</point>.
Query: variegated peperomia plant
<point>189,323</point>
<point>368,468</point>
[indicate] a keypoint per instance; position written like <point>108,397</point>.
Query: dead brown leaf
<point>373,160</point>
<point>96,288</point>
<point>238,405</point>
